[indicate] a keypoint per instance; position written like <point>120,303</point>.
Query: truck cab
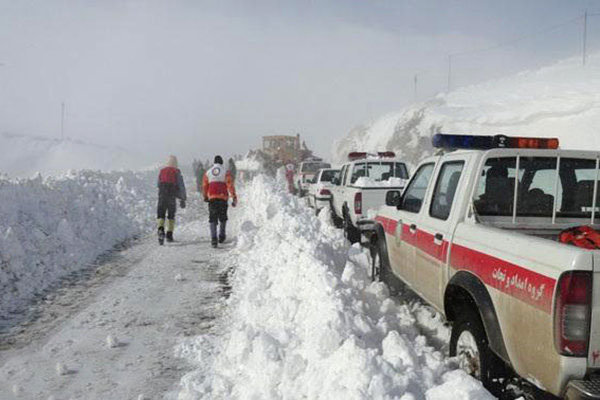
<point>476,234</point>
<point>362,186</point>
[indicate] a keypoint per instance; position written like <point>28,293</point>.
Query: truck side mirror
<point>392,198</point>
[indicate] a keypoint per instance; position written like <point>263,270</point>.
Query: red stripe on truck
<point>389,225</point>
<point>528,286</point>
<point>521,283</point>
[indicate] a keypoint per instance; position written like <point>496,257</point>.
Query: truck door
<point>402,248</point>
<point>435,231</point>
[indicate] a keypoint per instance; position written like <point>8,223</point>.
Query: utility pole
<point>585,15</point>
<point>62,121</point>
<point>449,71</point>
<point>416,81</point>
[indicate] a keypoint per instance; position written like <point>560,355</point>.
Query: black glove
<point>182,203</point>
<point>206,199</point>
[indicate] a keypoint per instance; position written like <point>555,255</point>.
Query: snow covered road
<point>115,338</point>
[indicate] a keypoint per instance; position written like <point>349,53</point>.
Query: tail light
<point>358,203</point>
<point>325,192</point>
<point>573,313</point>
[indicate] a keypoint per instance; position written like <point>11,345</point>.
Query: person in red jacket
<point>170,188</point>
<point>217,187</point>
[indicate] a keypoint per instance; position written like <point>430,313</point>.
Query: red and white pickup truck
<point>475,233</point>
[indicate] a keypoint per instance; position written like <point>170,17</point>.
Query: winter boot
<point>222,231</point>
<point>161,235</point>
<point>213,234</point>
<point>170,229</point>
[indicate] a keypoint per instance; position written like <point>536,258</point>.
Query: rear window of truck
<point>379,171</point>
<point>544,185</point>
<point>313,167</point>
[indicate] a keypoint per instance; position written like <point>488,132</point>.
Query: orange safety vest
<point>218,183</point>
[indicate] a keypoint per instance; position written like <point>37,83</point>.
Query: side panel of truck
<point>520,273</point>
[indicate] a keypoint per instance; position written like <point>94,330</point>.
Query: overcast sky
<point>195,78</point>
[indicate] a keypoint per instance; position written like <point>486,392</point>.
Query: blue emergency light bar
<point>444,141</point>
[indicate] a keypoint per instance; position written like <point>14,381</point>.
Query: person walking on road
<point>217,187</point>
<point>170,188</point>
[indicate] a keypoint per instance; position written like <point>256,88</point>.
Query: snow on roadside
<point>305,320</point>
<point>54,226</point>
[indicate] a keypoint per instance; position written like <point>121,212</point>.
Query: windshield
<point>313,167</point>
<point>546,186</point>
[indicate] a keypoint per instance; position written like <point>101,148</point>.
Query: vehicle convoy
<point>306,172</point>
<point>319,189</point>
<point>362,186</point>
<point>476,234</point>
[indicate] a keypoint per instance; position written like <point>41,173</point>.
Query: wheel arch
<point>465,287</point>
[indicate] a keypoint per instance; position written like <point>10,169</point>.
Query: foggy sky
<point>195,78</point>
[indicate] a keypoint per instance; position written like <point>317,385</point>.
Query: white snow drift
<point>561,100</point>
<point>54,226</point>
<point>305,320</point>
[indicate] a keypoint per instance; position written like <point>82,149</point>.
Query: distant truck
<point>475,233</point>
<point>306,172</point>
<point>362,186</point>
<point>319,189</point>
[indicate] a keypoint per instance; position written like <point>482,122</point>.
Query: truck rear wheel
<point>469,343</point>
<point>352,233</point>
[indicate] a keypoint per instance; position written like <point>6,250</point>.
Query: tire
<point>352,233</point>
<point>469,342</point>
<point>381,270</point>
<point>337,221</point>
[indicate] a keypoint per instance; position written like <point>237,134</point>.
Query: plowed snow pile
<point>561,100</point>
<point>305,320</point>
<point>54,226</point>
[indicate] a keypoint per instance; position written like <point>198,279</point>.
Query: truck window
<point>328,175</point>
<point>577,177</point>
<point>400,171</point>
<point>538,191</point>
<point>415,192</point>
<point>445,189</point>
<point>383,171</point>
<point>495,193</point>
<point>358,171</point>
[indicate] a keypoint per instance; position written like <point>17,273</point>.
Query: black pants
<point>166,205</point>
<point>217,210</point>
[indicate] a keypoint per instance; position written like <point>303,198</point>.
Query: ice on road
<point>116,338</point>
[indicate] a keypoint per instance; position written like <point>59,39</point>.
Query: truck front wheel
<point>469,343</point>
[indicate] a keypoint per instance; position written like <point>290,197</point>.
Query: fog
<point>195,78</point>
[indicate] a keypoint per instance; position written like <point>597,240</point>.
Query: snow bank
<point>52,227</point>
<point>22,156</point>
<point>561,100</point>
<point>305,320</point>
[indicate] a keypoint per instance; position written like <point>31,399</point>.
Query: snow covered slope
<point>54,226</point>
<point>23,156</point>
<point>561,100</point>
<point>306,322</point>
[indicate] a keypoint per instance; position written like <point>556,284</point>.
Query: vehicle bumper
<point>322,202</point>
<point>588,389</point>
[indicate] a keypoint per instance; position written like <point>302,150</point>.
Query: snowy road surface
<point>116,337</point>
